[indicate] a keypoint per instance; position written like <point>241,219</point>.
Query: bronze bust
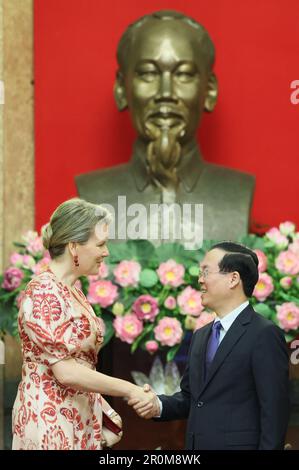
<point>166,80</point>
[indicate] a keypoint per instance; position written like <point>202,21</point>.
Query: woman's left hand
<point>115,417</point>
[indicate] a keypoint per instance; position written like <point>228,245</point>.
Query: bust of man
<point>166,80</point>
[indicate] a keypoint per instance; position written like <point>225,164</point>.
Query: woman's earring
<point>76,261</point>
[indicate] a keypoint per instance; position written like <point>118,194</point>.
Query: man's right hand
<point>148,410</point>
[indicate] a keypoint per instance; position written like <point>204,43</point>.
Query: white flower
<point>287,228</point>
<point>163,382</point>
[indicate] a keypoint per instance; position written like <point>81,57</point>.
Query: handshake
<point>145,402</point>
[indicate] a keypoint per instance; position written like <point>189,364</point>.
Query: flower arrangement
<point>149,297</point>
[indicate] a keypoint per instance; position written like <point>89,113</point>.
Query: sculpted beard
<point>164,151</point>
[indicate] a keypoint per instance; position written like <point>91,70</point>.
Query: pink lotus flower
<point>204,318</point>
<point>29,236</point>
<point>287,262</point>
<point>294,247</point>
<point>36,247</point>
<point>263,261</point>
<point>42,265</point>
<point>168,331</point>
<point>190,302</point>
<point>102,292</point>
<point>12,278</point>
<point>277,238</point>
<point>146,307</point>
<point>102,273</point>
<point>127,328</point>
<point>264,287</point>
<point>151,346</point>
<point>170,302</point>
<point>93,278</point>
<point>287,228</point>
<point>171,273</point>
<point>286,282</point>
<point>16,260</point>
<point>288,316</point>
<point>127,273</point>
<point>103,270</point>
<point>28,262</point>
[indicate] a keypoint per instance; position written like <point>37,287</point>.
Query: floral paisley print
<point>54,326</point>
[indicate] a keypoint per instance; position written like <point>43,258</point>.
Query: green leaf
<point>206,246</point>
<point>146,330</point>
<point>109,330</point>
<point>142,250</point>
<point>178,253</point>
<point>19,245</point>
<point>85,284</point>
<point>128,301</point>
<point>97,309</point>
<point>289,336</point>
<point>9,317</point>
<point>172,352</point>
<point>275,319</point>
<point>118,252</point>
<point>139,250</point>
<point>289,298</point>
<point>264,310</point>
<point>253,241</point>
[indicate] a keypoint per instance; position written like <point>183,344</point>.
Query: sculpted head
<point>165,79</point>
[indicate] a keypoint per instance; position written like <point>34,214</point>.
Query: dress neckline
<point>84,303</point>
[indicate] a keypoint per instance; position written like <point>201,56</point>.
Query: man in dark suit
<point>234,391</point>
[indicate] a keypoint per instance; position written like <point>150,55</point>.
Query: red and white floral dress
<point>54,326</point>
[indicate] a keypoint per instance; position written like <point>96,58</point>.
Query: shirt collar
<point>187,170</point>
<point>228,320</point>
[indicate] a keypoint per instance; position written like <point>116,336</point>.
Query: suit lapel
<point>233,335</point>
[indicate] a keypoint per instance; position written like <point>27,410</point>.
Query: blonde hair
<point>73,221</point>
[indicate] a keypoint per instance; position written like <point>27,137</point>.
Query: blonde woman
<point>59,403</point>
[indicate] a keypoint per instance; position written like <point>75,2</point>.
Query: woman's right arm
<point>54,340</point>
<point>71,374</point>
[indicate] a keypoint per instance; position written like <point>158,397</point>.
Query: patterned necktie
<point>213,344</point>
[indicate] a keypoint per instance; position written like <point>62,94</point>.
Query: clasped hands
<point>145,402</point>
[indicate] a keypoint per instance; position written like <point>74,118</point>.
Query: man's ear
<point>235,279</point>
<point>120,92</point>
<point>212,93</point>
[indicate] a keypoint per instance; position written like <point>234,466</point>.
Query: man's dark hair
<point>241,259</point>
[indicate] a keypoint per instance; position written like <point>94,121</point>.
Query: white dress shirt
<point>228,320</point>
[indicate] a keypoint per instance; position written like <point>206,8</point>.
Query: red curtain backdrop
<point>254,127</point>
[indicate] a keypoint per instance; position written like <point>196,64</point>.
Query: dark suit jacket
<point>244,401</point>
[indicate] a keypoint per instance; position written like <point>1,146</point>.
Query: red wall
<point>254,127</point>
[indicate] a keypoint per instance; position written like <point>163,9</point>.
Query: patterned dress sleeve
<point>46,322</point>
